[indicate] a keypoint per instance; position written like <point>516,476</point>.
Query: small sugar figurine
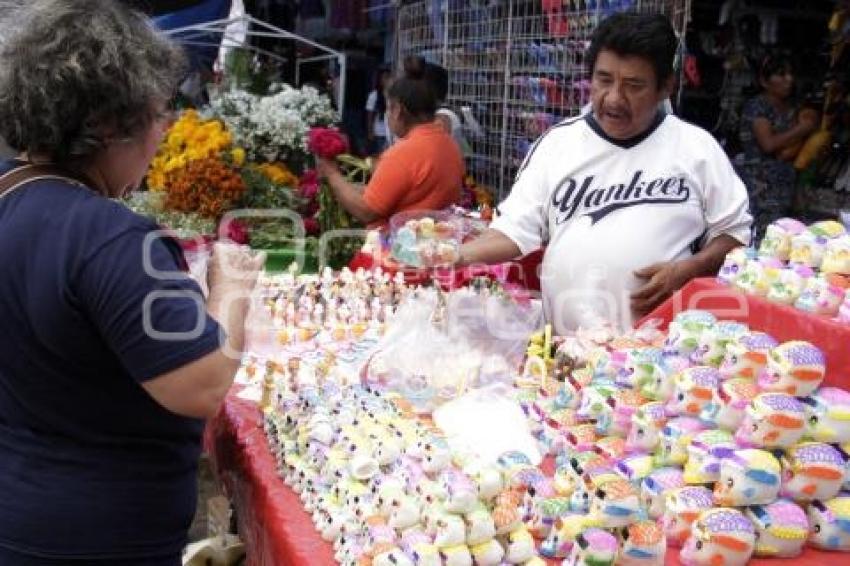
<point>593,547</point>
<point>642,544</point>
<point>747,356</point>
<point>720,537</point>
<point>728,408</point>
<point>772,420</point>
<point>796,368</point>
<point>748,477</point>
<point>654,489</point>
<point>812,470</point>
<point>776,243</point>
<point>828,415</point>
<point>681,508</point>
<point>781,529</point>
<point>829,524</point>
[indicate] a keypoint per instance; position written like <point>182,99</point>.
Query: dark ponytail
<point>413,91</point>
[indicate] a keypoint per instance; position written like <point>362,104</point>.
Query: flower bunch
<point>189,139</point>
<point>278,173</point>
<point>207,186</point>
<point>328,143</point>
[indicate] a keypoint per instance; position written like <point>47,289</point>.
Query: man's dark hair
<point>415,94</point>
<point>649,36</point>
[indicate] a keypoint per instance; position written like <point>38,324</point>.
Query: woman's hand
<point>325,167</point>
<point>232,273</point>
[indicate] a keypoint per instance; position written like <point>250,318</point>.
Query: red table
<point>277,531</point>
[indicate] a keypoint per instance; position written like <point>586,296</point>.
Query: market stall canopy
<point>160,7</point>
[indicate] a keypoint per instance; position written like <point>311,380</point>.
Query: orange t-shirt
<point>422,171</point>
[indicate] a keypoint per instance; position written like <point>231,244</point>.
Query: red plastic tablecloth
<point>782,322</point>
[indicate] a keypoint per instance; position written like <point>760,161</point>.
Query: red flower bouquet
<point>327,142</point>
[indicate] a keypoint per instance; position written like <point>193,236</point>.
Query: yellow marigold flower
<point>238,156</point>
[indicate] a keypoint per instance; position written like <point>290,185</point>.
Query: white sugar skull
<point>748,477</point>
<point>781,529</point>
<point>829,524</point>
<point>719,536</point>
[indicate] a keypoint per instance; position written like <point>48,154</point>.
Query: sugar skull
<point>562,536</point>
<point>624,403</point>
<point>748,477</point>
<point>796,368</point>
<point>593,547</point>
<point>507,510</point>
<point>488,479</point>
<point>545,513</point>
<point>654,489</point>
<point>404,512</point>
<point>792,281</point>
<point>781,529</point>
<point>436,456</point>
<point>640,364</point>
<point>812,470</point>
<point>645,431</point>
<point>829,524</point>
<point>392,557</point>
<point>450,530</point>
<point>681,508</point>
<point>693,389</point>
<point>808,249</point>
<point>828,415</point>
<point>642,544</point>
<point>518,545</point>
<point>720,537</point>
<point>713,341</point>
<point>734,263</point>
<point>829,229</point>
<point>581,437</point>
<point>635,467</point>
<point>772,420</point>
<point>594,405</point>
<point>480,525</point>
<point>455,555</point>
<point>728,408</point>
<point>758,276</point>
<point>822,295</point>
<point>705,452</point>
<point>685,330</point>
<point>746,356</point>
<point>423,552</point>
<point>675,436</point>
<point>776,243</point>
<point>461,492</point>
<point>487,553</point>
<point>606,365</point>
<point>611,447</point>
<point>614,504</point>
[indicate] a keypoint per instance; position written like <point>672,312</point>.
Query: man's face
<point>625,94</point>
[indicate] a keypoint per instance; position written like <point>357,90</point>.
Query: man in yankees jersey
<point>631,202</point>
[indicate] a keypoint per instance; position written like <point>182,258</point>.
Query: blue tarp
<point>208,11</point>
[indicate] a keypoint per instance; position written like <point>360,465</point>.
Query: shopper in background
<point>376,108</point>
<point>771,134</point>
<point>110,358</point>
<point>422,171</point>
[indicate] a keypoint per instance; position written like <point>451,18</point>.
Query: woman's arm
<point>771,142</point>
<point>349,195</point>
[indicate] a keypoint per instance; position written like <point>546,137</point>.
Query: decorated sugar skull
<point>436,456</point>
<point>480,525</point>
<point>685,330</point>
<point>392,556</point>
<point>488,479</point>
<point>828,415</point>
<point>593,547</point>
<point>705,452</point>
<point>642,544</point>
<point>460,490</point>
<point>562,536</point>
<point>772,420</point>
<point>645,431</point>
<point>456,555</point>
<point>606,365</point>
<point>614,504</point>
<point>781,529</point>
<point>796,368</point>
<point>836,258</point>
<point>508,511</point>
<point>654,489</point>
<point>758,275</point>
<point>625,403</point>
<point>582,437</point>
<point>693,389</point>
<point>404,512</point>
<point>822,295</point>
<point>790,284</point>
<point>594,405</point>
<point>640,364</point>
<point>748,477</point>
<point>728,408</point>
<point>519,546</point>
<point>675,436</point>
<point>776,243</point>
<point>812,470</point>
<point>809,247</point>
<point>449,530</point>
<point>487,553</point>
<point>636,467</point>
<point>829,523</point>
<point>611,447</point>
<point>746,356</point>
<point>713,341</point>
<point>734,263</point>
<point>682,506</point>
<point>720,537</point>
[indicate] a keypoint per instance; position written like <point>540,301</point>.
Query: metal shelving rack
<point>515,67</point>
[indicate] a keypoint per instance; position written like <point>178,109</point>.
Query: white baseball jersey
<point>606,208</point>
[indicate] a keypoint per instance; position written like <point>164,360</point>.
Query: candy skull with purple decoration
<point>734,263</point>
<point>758,276</point>
<point>681,508</point>
<point>796,368</point>
<point>720,537</point>
<point>746,356</point>
<point>713,341</point>
<point>675,436</point>
<point>776,243</point>
<point>836,258</point>
<point>655,487</point>
<point>812,470</point>
<point>792,281</point>
<point>748,477</point>
<point>645,431</point>
<point>641,364</point>
<point>685,329</point>
<point>625,403</point>
<point>693,389</point>
<point>781,529</point>
<point>614,504</point>
<point>829,524</point>
<point>822,295</point>
<point>561,538</point>
<point>593,547</point>
<point>828,415</point>
<point>772,420</point>
<point>705,452</point>
<point>728,408</point>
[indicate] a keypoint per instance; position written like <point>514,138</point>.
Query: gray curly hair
<point>71,68</point>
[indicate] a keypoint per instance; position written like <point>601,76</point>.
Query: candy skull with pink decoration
<point>655,487</point>
<point>682,506</point>
<point>758,275</point>
<point>720,537</point>
<point>705,452</point>
<point>790,284</point>
<point>734,263</point>
<point>836,258</point>
<point>781,529</point>
<point>776,243</point>
<point>685,329</point>
<point>748,477</point>
<point>625,403</point>
<point>772,420</point>
<point>746,356</point>
<point>693,389</point>
<point>614,504</point>
<point>593,547</point>
<point>645,431</point>
<point>642,544</point>
<point>821,296</point>
<point>728,408</point>
<point>675,436</point>
<point>829,524</point>
<point>562,536</point>
<point>828,415</point>
<point>636,467</point>
<point>796,368</point>
<point>812,470</point>
<point>713,342</point>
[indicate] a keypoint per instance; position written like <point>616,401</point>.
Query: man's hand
<point>325,167</point>
<point>233,271</point>
<point>662,280</point>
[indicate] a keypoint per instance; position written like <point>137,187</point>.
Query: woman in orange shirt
<point>422,171</point>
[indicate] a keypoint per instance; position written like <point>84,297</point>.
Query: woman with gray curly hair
<point>110,357</point>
